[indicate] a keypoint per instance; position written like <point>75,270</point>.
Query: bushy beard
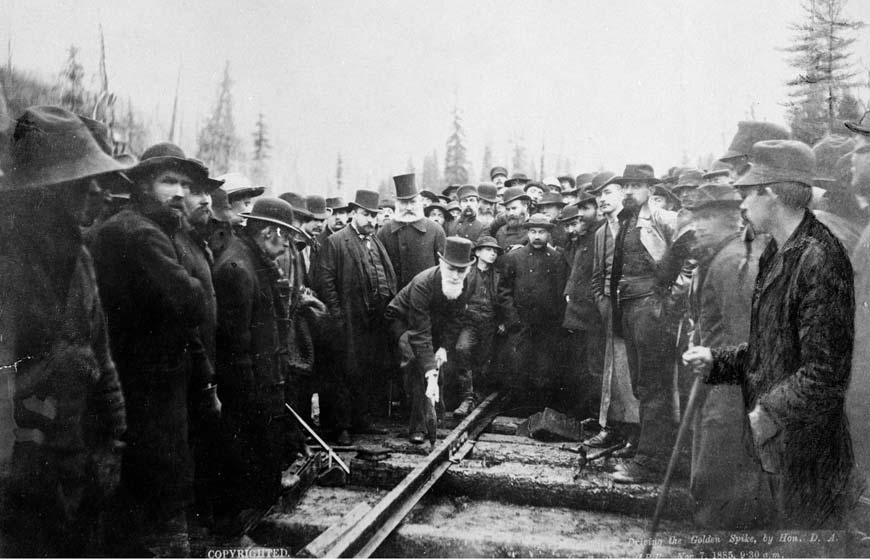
<point>451,291</point>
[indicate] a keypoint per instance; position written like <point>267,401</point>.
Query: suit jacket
<point>412,247</point>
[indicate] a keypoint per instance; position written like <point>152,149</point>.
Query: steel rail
<point>363,538</point>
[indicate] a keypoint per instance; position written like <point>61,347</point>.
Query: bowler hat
<point>862,126</point>
<point>496,171</point>
<point>568,213</point>
<point>51,145</point>
<point>778,161</point>
<point>166,155</point>
<point>585,198</point>
<point>436,206</point>
<point>551,199</point>
<point>713,195</point>
<point>600,181</point>
<point>465,191</point>
<point>297,201</point>
<point>237,187</point>
<point>457,252</point>
<point>487,241</point>
<point>316,206</point>
<point>272,210</point>
<point>517,179</point>
<point>583,181</point>
<point>487,192</point>
<point>336,204</point>
<point>365,200</point>
<point>751,132</point>
<point>538,221</point>
<point>406,186</point>
<point>514,193</point>
<point>637,173</point>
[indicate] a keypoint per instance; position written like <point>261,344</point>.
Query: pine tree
<point>262,147</point>
<point>218,145</point>
<point>486,167</point>
<point>455,162</point>
<point>821,54</point>
<point>431,177</point>
<point>339,174</point>
<point>73,96</point>
<point>518,160</point>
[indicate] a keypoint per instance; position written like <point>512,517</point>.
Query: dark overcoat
<point>859,386</point>
<point>470,229</point>
<point>341,286</point>
<point>196,258</point>
<point>152,303</point>
<point>531,287</point>
<point>413,247</point>
<point>581,312</point>
<point>796,365</point>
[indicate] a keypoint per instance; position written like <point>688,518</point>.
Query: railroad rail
<point>362,530</point>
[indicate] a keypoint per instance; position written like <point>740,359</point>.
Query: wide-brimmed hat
<point>710,195</point>
<point>514,193</point>
<point>600,181</point>
<point>436,206</point>
<point>551,199</point>
<point>497,170</point>
<point>316,206</point>
<point>100,131</point>
<point>487,192</point>
<point>51,145</point>
<point>272,210</point>
<point>366,200</point>
<point>538,220</point>
<point>779,161</point>
<point>662,190</point>
<point>689,179</point>
<point>517,179</point>
<point>465,191</point>
<point>636,173</point>
<point>237,187</point>
<point>167,155</point>
<point>457,252</point>
<point>297,201</point>
<point>862,126</point>
<point>751,132</point>
<point>715,174</point>
<point>487,241</point>
<point>336,204</point>
<point>406,186</point>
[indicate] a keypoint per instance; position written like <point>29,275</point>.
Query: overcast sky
<point>601,83</point>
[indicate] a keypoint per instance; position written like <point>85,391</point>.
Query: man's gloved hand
<point>440,358</point>
<point>432,392</point>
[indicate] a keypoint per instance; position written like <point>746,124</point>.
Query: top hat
<point>166,155</point>
<point>465,191</point>
<point>366,200</point>
<point>551,199</point>
<point>713,195</point>
<point>487,192</point>
<point>457,252</point>
<point>497,170</point>
<point>751,132</point>
<point>778,161</point>
<point>51,145</point>
<point>336,204</point>
<point>316,206</point>
<point>514,193</point>
<point>406,186</point>
<point>237,187</point>
<point>538,221</point>
<point>487,241</point>
<point>272,210</point>
<point>297,201</point>
<point>600,181</point>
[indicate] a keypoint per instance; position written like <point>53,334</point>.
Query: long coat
<point>412,247</point>
<point>859,387</point>
<point>796,366</point>
<point>469,229</point>
<point>581,313</point>
<point>341,286</point>
<point>530,287</point>
<point>152,304</point>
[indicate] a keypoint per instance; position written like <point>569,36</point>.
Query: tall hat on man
<point>406,186</point>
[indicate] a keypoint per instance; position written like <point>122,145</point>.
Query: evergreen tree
<point>455,162</point>
<point>431,179</point>
<point>73,96</point>
<point>339,174</point>
<point>518,160</point>
<point>259,164</point>
<point>218,145</point>
<point>487,163</point>
<point>821,54</point>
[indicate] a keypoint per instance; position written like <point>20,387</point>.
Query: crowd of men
<point>157,323</point>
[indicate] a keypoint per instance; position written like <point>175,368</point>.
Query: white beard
<point>451,291</point>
